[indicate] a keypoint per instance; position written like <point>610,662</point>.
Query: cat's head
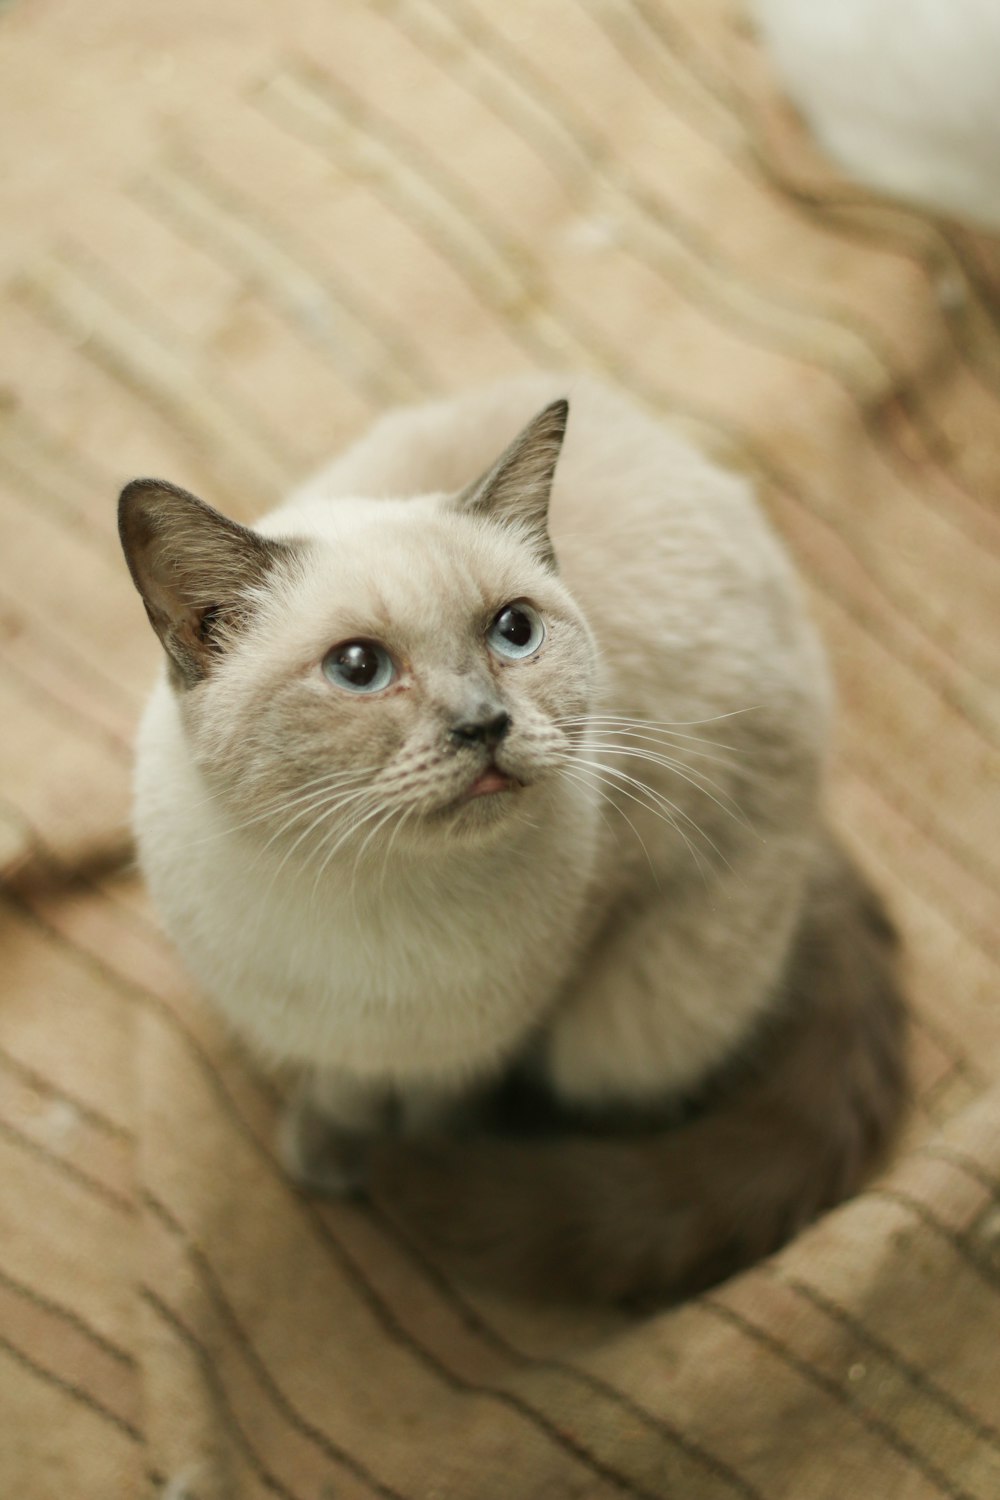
<point>402,668</point>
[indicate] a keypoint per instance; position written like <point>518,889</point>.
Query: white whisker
<point>579,775</point>
<point>686,773</point>
<point>277,806</point>
<point>358,822</point>
<point>639,728</point>
<point>624,727</point>
<point>371,834</point>
<point>665,723</point>
<point>327,810</point>
<point>656,804</point>
<point>407,813</point>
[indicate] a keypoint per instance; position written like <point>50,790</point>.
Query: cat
<point>904,96</point>
<point>484,793</point>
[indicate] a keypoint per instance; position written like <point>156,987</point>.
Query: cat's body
<point>510,898</point>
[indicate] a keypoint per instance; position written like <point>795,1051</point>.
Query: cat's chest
<point>406,984</point>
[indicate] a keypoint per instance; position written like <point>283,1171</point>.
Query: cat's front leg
<point>329,1118</point>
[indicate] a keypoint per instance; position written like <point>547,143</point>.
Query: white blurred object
<point>905,94</point>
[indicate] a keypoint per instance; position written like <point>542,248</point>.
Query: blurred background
<point>230,235</point>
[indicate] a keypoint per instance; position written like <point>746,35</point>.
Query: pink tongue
<point>491,780</point>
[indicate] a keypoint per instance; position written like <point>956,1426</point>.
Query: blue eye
<point>359,666</point>
<point>516,631</point>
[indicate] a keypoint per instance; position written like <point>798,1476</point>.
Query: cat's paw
<point>319,1155</point>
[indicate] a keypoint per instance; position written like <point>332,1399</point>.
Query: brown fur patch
<point>193,568</point>
<point>796,1125</point>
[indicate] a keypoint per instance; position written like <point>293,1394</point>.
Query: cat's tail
<point>799,1128</point>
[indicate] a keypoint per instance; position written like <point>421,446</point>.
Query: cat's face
<point>396,670</point>
<point>410,674</point>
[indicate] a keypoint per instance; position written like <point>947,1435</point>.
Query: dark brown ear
<point>195,569</point>
<point>518,487</point>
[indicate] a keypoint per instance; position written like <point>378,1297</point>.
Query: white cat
<point>905,94</point>
<point>453,796</point>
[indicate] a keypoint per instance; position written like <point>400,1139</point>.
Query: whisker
<point>407,812</point>
<point>353,827</point>
<point>277,805</point>
<point>624,727</point>
<point>613,778</point>
<point>608,825</point>
<point>640,728</point>
<point>306,801</point>
<point>215,796</point>
<point>373,833</point>
<point>579,776</point>
<point>686,773</point>
<point>669,723</point>
<point>603,740</point>
<point>656,804</point>
<point>328,809</point>
<point>327,799</point>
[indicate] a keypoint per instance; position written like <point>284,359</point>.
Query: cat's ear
<point>518,486</point>
<point>195,569</point>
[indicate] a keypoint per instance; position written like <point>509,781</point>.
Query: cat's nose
<point>488,730</point>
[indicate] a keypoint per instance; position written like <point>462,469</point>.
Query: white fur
<point>905,94</point>
<point>586,928</point>
<point>401,978</point>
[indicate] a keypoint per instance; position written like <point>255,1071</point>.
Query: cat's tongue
<point>490,780</point>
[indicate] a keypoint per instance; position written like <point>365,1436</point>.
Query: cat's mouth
<point>488,782</point>
<point>489,789</point>
<point>491,784</point>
